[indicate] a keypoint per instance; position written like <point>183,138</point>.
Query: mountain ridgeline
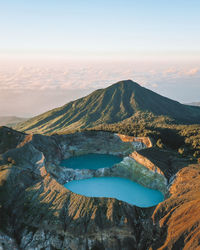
<point>10,121</point>
<point>113,104</point>
<point>194,103</point>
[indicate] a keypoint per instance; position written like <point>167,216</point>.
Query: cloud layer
<point>31,88</point>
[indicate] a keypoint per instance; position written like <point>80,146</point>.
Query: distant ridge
<point>10,121</point>
<point>194,103</point>
<point>112,104</point>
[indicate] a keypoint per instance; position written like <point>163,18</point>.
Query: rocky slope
<point>177,220</point>
<point>110,105</point>
<point>37,212</point>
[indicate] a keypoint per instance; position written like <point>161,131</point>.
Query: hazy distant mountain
<point>194,103</point>
<point>113,104</point>
<point>10,121</point>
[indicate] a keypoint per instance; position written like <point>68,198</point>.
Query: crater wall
<point>115,144</point>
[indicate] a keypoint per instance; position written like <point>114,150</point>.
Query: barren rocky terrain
<point>38,212</point>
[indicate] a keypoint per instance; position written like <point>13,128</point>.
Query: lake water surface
<point>116,187</point>
<point>91,161</point>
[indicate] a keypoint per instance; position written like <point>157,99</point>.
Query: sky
<point>54,51</point>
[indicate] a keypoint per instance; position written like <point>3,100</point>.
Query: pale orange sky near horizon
<point>30,87</point>
<point>52,52</point>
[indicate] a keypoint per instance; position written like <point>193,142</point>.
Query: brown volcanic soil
<point>36,211</point>
<point>178,218</point>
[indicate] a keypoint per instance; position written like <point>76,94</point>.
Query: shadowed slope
<point>113,104</point>
<point>36,211</point>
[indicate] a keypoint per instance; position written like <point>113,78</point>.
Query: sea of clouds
<point>30,88</point>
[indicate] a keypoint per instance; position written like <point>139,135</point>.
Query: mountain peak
<point>125,84</point>
<point>110,105</point>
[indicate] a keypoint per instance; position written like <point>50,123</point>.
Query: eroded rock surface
<point>177,219</point>
<point>107,143</point>
<point>37,212</point>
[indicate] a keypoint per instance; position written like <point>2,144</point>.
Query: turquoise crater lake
<point>91,161</point>
<point>116,187</point>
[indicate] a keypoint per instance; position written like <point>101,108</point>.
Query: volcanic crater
<point>38,211</point>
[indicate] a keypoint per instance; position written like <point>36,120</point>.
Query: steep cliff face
<point>107,143</point>
<point>165,162</point>
<point>37,212</point>
<point>65,220</point>
<point>177,219</point>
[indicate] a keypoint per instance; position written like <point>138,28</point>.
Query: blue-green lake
<point>91,161</point>
<point>116,187</point>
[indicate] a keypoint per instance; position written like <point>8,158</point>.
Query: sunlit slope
<point>113,104</point>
